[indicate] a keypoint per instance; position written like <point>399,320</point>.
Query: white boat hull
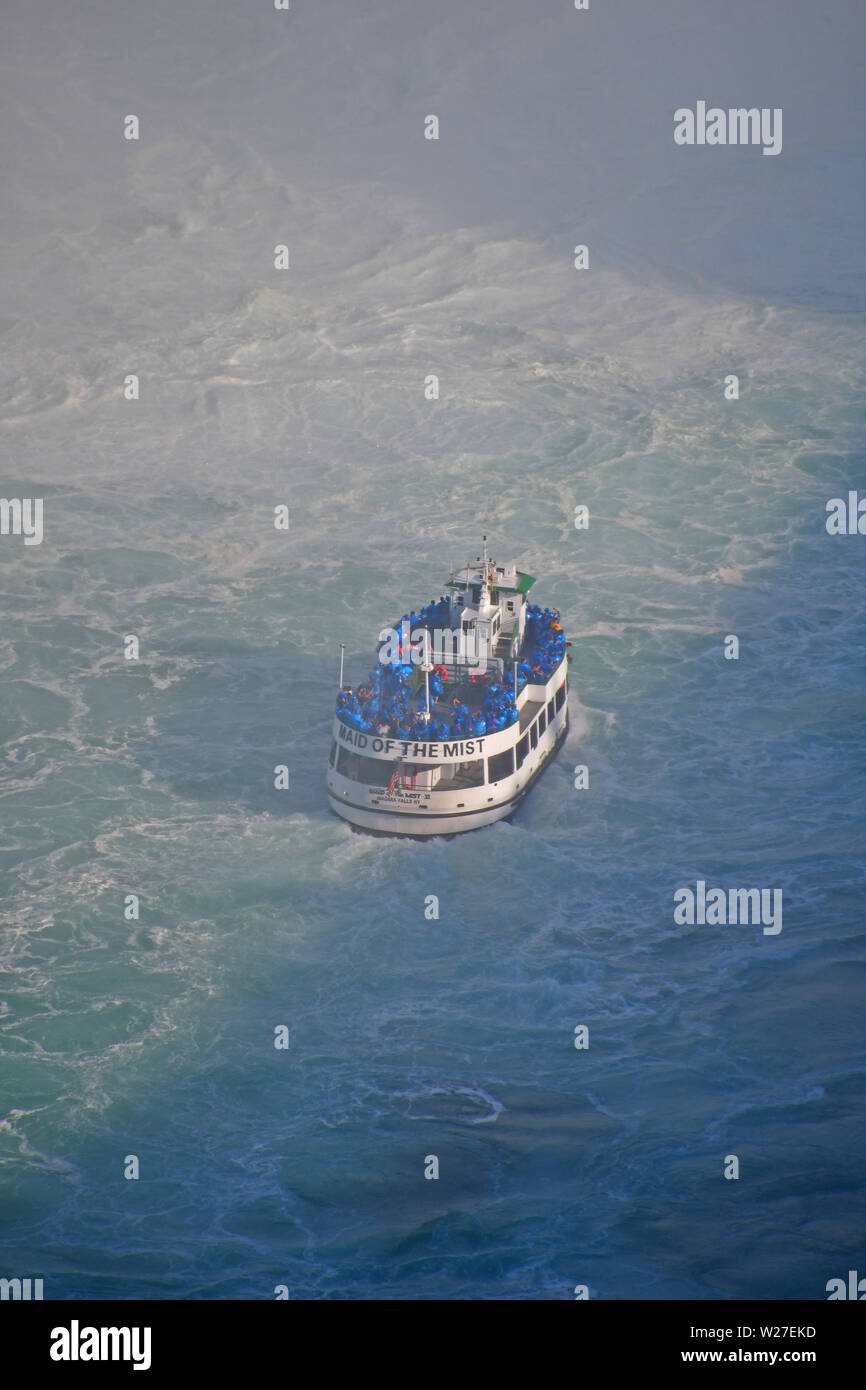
<point>424,810</point>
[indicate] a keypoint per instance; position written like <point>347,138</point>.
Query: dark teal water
<point>452,1037</point>
<point>411,1037</point>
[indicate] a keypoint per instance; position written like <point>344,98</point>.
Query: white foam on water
<point>157,777</point>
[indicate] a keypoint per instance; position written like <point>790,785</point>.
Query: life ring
<point>478,678</point>
<point>440,671</point>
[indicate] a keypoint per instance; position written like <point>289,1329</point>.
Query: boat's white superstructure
<point>385,778</point>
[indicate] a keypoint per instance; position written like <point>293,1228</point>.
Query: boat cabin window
<point>414,775</point>
<point>332,757</point>
<point>542,722</point>
<point>500,765</point>
<point>559,697</point>
<point>456,776</point>
<point>533,735</point>
<point>522,746</point>
<point>374,772</point>
<point>550,712</point>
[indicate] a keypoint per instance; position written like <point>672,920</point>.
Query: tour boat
<point>464,709</point>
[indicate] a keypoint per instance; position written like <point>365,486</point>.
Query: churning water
<point>412,1037</point>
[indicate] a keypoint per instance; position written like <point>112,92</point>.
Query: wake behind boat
<point>466,706</point>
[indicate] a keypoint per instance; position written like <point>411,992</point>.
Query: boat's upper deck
<point>474,652</point>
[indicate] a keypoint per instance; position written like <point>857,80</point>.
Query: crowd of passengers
<point>381,705</point>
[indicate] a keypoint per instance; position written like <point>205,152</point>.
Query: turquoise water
<point>454,1037</point>
<point>412,1037</point>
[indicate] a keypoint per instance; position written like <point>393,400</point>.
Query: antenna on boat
<point>485,577</point>
<point>342,649</point>
<point>427,667</point>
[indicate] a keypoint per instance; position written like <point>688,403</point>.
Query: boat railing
<point>470,682</point>
<point>462,671</point>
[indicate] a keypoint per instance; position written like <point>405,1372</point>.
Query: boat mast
<point>427,667</point>
<point>342,649</point>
